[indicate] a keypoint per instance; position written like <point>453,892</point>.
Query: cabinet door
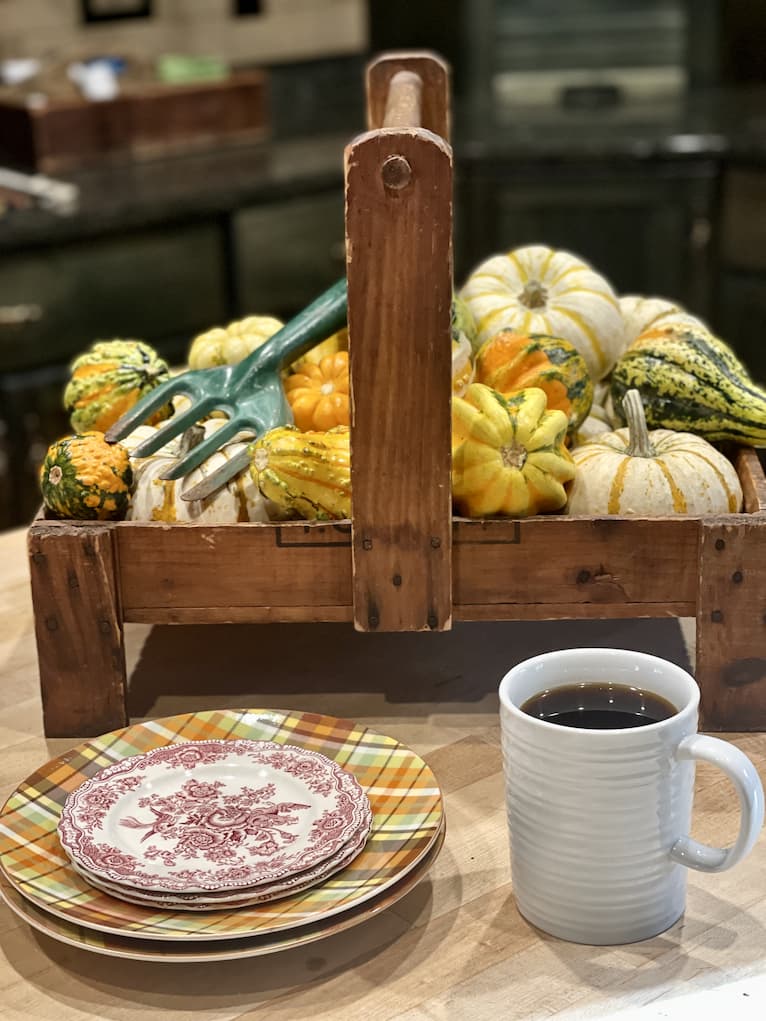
<point>647,231</point>
<point>154,285</point>
<point>288,252</point>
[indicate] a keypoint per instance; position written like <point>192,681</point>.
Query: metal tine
<point>144,409</point>
<point>219,478</point>
<point>175,426</point>
<point>203,450</point>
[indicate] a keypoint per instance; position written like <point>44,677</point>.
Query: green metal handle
<point>323,317</point>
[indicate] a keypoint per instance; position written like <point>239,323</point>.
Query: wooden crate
<point>151,120</point>
<point>403,562</point>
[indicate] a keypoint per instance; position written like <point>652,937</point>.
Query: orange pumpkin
<point>318,394</point>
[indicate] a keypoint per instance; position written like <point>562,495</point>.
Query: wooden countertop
<point>455,948</point>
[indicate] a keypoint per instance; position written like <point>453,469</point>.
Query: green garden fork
<point>249,393</point>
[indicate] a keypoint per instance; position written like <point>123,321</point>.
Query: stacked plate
<point>207,823</point>
<point>261,828</point>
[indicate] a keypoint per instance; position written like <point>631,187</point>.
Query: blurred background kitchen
<point>203,180</point>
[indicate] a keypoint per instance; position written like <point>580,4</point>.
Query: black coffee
<point>599,705</point>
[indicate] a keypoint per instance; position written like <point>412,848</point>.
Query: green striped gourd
<point>109,379</point>
<point>693,382</point>
<point>306,473</point>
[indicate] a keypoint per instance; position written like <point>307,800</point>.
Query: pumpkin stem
<point>639,444</point>
<point>514,456</point>
<point>534,295</point>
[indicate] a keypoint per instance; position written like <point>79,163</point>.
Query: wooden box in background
<point>152,120</point>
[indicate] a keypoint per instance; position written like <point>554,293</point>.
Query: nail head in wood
<point>720,544</point>
<point>716,616</point>
<point>435,542</point>
<point>583,577</point>
<point>366,543</point>
<point>396,173</point>
<point>737,577</point>
<point>397,580</point>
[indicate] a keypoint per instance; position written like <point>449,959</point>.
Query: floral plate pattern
<point>262,894</point>
<point>211,815</point>
<point>407,818</point>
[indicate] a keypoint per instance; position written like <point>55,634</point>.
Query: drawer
<point>288,252</point>
<point>151,285</point>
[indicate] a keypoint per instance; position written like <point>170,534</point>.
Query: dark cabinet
<point>647,228</point>
<point>288,252</point>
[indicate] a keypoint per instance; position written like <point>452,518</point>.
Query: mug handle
<point>742,773</point>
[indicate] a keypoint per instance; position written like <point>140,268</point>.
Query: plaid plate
<point>404,795</point>
<point>179,952</point>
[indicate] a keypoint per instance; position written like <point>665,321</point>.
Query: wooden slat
<point>562,561</point>
<point>731,624</point>
<point>225,567</point>
<point>78,626</point>
<point>399,269</point>
<point>753,480</point>
<point>571,611</point>
<point>433,72</point>
<point>237,614</point>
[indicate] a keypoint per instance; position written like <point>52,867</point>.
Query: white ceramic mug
<point>599,819</point>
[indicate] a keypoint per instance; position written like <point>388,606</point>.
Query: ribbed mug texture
<point>593,815</point>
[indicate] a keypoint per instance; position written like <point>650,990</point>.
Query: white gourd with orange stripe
<point>155,499</point>
<point>537,289</point>
<point>634,472</point>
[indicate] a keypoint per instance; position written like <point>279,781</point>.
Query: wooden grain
<point>455,948</point>
<point>752,478</point>
<point>78,625</point>
<point>233,568</point>
<point>399,269</point>
<point>432,71</point>
<point>576,560</point>
<point>731,624</point>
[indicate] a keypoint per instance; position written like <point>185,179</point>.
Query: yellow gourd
<point>508,454</point>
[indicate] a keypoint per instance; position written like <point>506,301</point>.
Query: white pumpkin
<point>635,472</point>
<point>640,314</point>
<point>155,499</point>
<point>540,290</point>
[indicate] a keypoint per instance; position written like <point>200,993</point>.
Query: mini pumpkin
<point>109,379</point>
<point>508,454</point>
<point>512,361</point>
<point>318,394</point>
<point>331,346</point>
<point>537,289</point>
<point>636,472</point>
<point>83,476</point>
<point>228,345</point>
<point>305,473</point>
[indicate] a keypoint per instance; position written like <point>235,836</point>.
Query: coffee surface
<point>599,705</point>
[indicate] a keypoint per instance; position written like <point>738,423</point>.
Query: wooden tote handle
<point>399,270</point>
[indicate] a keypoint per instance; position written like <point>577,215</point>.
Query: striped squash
<point>512,361</point>
<point>157,499</point>
<point>634,472</point>
<point>306,473</point>
<point>691,381</point>
<point>109,379</point>
<point>540,290</point>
